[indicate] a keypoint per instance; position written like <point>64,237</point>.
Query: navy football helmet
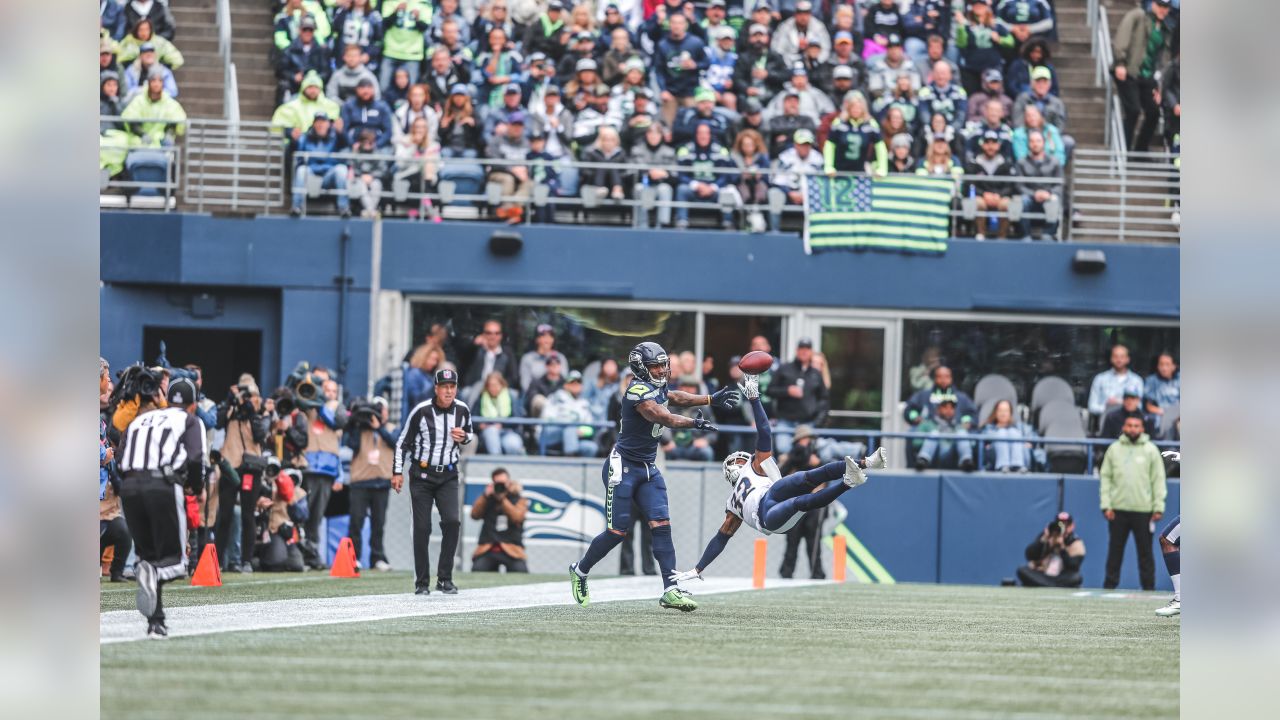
<point>648,354</point>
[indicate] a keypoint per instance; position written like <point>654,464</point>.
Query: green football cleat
<point>677,599</point>
<point>578,584</point>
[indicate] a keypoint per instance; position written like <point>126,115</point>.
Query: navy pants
<point>793,495</point>
<point>642,483</point>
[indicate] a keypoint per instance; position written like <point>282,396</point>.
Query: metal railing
<point>238,165</point>
<point>875,438</point>
<point>1113,130</point>
<point>230,84</point>
<point>1135,197</point>
<point>136,191</point>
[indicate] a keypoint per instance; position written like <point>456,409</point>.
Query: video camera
<point>306,391</point>
<point>363,412</point>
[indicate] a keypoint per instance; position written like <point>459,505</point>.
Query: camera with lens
<point>499,487</point>
<point>306,391</point>
<point>363,413</point>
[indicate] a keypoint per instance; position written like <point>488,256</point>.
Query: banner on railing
<point>899,213</point>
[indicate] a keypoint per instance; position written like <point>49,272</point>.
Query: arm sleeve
<point>1035,550</point>
<point>1071,563</point>
<point>466,427</point>
<point>1097,403</point>
<point>402,445</point>
<point>193,441</point>
<point>1104,482</point>
<point>764,437</point>
<point>714,548</point>
<point>1159,488</point>
<point>881,162</point>
<point>829,156</point>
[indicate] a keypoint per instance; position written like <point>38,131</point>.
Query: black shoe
<point>922,463</point>
<point>447,587</point>
<point>424,590</point>
<point>295,212</point>
<point>966,465</point>
<point>156,630</point>
<point>346,214</point>
<point>117,577</point>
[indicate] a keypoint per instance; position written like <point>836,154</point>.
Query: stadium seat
<point>1061,419</point>
<point>1167,421</point>
<point>992,388</point>
<point>148,166</point>
<point>1047,390</point>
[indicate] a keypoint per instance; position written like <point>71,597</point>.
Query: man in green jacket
<point>1132,495</point>
<point>153,116</point>
<point>1142,45</point>
<point>295,117</point>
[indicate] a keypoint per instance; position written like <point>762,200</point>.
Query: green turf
<point>284,586</point>
<point>829,651</point>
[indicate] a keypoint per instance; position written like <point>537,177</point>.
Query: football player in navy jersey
<point>630,473</point>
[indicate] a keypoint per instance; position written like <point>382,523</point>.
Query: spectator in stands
<point>983,42</point>
<point>459,53</point>
<point>1025,18</point>
<point>813,103</point>
<point>533,364</point>
<point>1130,406</point>
<point>923,22</point>
<point>1171,103</point>
<point>131,46</point>
<point>418,384</point>
<point>803,456</point>
<point>510,144</point>
<point>107,55</point>
<point>490,355</point>
<point>567,404</point>
<point>404,23</point>
<point>369,172</point>
<point>296,116</point>
<point>547,33</point>
<point>683,444</point>
<point>343,81</point>
<point>938,158</point>
<point>154,10</point>
<point>539,77</point>
<point>1049,105</point>
<point>581,20</point>
<point>445,11</point>
<point>1054,558</point>
<point>359,23</point>
<point>416,108</point>
<point>924,403</point>
<point>800,31</point>
<point>759,72</point>
<point>903,100</point>
<point>147,64</point>
<point>940,453</point>
<point>1039,197</point>
<point>556,121</point>
<point>792,164</point>
<point>680,58</point>
<point>656,155</point>
<point>111,19</point>
<point>935,53</point>
<point>323,139</point>
<point>364,111</point>
<point>995,194</point>
<point>991,120</point>
<point>883,71</point>
<point>799,396</point>
<point>441,77</point>
<point>110,104</point>
<point>498,401</point>
<point>842,56</point>
<point>594,117</point>
<point>1163,390</point>
<point>992,89</point>
<point>1008,449</point>
<point>396,93</point>
<point>498,67</point>
<point>714,19</point>
<point>544,386</point>
<point>373,446</point>
<point>288,23</point>
<point>417,157</point>
<point>1142,45</point>
<point>854,143</point>
<point>1032,120</point>
<point>721,59</point>
<point>1034,53</point>
<point>1107,390</point>
<point>838,85</point>
<point>502,511</point>
<point>942,97</point>
<point>632,107</point>
<point>305,54</point>
<point>901,161</point>
<point>583,74</point>
<point>496,15</point>
<point>1131,494</point>
<point>882,19</point>
<point>153,116</point>
<point>753,174</point>
<point>703,111</point>
<point>617,61</point>
<point>603,389</point>
<point>605,182</point>
<point>698,182</point>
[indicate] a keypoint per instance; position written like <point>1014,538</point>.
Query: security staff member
<point>428,451</point>
<point>161,451</point>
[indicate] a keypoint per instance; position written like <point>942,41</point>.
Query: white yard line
<point>128,625</point>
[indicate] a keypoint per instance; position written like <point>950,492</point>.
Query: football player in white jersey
<point>1171,546</point>
<point>765,500</point>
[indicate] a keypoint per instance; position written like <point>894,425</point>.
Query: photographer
<point>246,419</point>
<point>281,505</point>
<point>374,446</point>
<point>1054,558</point>
<point>803,456</point>
<point>316,397</point>
<point>502,510</point>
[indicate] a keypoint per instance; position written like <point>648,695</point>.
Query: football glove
<point>686,575</point>
<point>726,397</point>
<point>699,423</point>
<point>750,386</point>
<point>1173,455</point>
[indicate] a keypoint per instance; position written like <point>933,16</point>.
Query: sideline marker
<point>757,574</point>
<point>208,570</point>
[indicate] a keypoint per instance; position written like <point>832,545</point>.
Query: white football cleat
<point>1173,608</point>
<point>853,475</point>
<point>876,459</point>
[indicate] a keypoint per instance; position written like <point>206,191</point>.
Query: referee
<point>161,451</point>
<point>428,452</point>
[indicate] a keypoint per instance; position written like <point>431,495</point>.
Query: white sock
<point>1177,586</point>
<point>580,573</point>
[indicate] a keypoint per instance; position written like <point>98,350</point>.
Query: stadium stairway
<point>200,78</point>
<point>251,52</point>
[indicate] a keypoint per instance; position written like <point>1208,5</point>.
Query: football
<point>755,362</point>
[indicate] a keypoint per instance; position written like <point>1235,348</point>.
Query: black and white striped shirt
<point>426,438</point>
<point>162,440</point>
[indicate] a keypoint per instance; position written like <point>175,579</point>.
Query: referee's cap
<point>182,392</point>
<point>446,376</point>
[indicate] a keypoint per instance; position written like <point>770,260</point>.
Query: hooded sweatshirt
<point>1132,476</point>
<point>300,112</point>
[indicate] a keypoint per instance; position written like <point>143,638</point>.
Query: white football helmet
<point>733,468</point>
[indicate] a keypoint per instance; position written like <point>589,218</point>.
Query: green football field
<point>876,651</point>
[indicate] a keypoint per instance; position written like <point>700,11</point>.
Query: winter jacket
<point>286,24</point>
<point>111,15</point>
<point>790,167</point>
<point>405,116</point>
<point>403,35</point>
<point>671,76</point>
<point>311,142</point>
<point>813,104</point>
<point>696,162</point>
<point>786,39</point>
<point>128,48</point>
<point>814,402</point>
<point>997,167</point>
<point>299,112</point>
<point>974,131</point>
<point>924,404</point>
<point>1051,106</point>
<point>298,58</point>
<point>1031,169</point>
<point>883,78</point>
<point>1131,41</point>
<point>660,156</point>
<point>543,35</point>
<point>916,22</point>
<point>157,12</point>
<point>603,177</point>
<point>134,83</point>
<point>774,65</point>
<point>1017,79</point>
<point>343,82</point>
<point>154,134</point>
<point>1132,477</point>
<point>373,162</point>
<point>1052,144</point>
<point>459,136</point>
<point>688,119</point>
<point>374,114</point>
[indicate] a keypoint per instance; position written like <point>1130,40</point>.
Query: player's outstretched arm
<point>726,397</point>
<point>714,548</point>
<point>653,412</point>
<point>764,435</point>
